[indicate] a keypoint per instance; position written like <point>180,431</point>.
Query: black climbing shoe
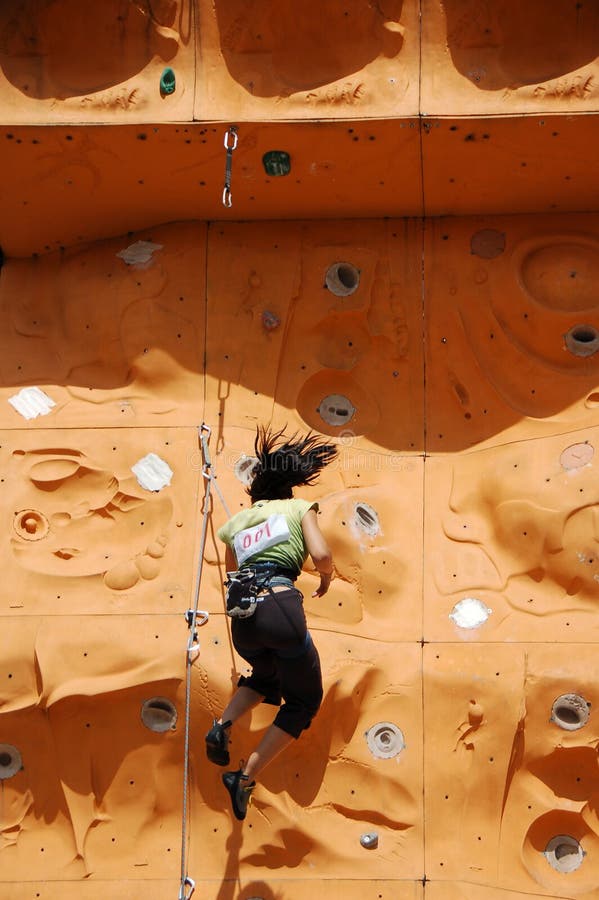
<point>217,742</point>
<point>240,789</point>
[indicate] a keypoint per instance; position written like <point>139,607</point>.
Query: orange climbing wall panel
<point>443,164</point>
<point>461,515</point>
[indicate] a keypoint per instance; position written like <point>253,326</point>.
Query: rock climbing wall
<point>463,604</point>
<point>422,288</point>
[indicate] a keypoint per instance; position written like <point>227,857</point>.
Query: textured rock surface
<point>422,288</point>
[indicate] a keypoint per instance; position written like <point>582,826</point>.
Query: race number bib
<point>260,537</point>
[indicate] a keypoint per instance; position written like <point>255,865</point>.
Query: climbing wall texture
<point>461,518</point>
<point>421,287</point>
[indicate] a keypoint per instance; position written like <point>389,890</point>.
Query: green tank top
<point>269,531</point>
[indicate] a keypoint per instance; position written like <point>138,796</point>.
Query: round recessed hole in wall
<point>31,525</point>
<point>366,519</point>
<point>10,761</point>
<point>570,712</point>
<point>335,409</point>
<point>385,740</point>
<point>159,714</point>
<point>576,456</point>
<point>244,469</point>
<point>582,340</point>
<point>564,853</point>
<point>342,279</point>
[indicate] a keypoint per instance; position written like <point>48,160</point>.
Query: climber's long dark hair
<point>285,463</point>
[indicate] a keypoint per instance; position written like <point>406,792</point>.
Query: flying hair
<point>287,462</point>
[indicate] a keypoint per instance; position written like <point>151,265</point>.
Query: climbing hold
<point>335,409</point>
<point>270,320</point>
<point>564,853</point>
<point>576,456</point>
<point>276,163</point>
<point>31,402</point>
<point>152,472</point>
<point>342,279</point>
<point>139,254</point>
<point>244,469</point>
<point>487,243</point>
<point>582,340</point>
<point>570,712</point>
<point>168,82</point>
<point>366,519</point>
<point>10,761</point>
<point>385,740</point>
<point>159,714</point>
<point>470,613</point>
<point>370,840</point>
<point>31,525</point>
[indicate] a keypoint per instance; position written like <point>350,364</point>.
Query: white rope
<point>187,885</point>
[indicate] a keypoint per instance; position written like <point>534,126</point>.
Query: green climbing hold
<point>276,163</point>
<point>168,82</point>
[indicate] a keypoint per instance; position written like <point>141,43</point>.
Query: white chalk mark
<point>470,613</point>
<point>152,472</point>
<point>139,254</point>
<point>31,402</point>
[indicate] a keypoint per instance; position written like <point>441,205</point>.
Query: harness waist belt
<point>271,570</point>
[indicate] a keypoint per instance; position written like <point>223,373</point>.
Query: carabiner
<point>231,133</point>
<point>188,882</point>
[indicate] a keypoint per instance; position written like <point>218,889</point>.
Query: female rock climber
<point>267,545</point>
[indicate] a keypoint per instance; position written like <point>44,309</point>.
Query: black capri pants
<point>285,663</point>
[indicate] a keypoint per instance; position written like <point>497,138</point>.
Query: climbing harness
<point>195,618</point>
<point>244,586</point>
<point>230,143</point>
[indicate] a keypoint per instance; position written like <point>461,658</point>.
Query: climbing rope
<point>194,619</point>
<point>230,145</point>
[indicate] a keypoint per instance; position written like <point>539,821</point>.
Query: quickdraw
<point>230,143</point>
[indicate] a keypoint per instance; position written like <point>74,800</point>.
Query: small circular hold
<point>277,163</point>
<point>370,840</point>
<point>159,714</point>
<point>570,712</point>
<point>366,519</point>
<point>10,761</point>
<point>385,740</point>
<point>582,340</point>
<point>168,81</point>
<point>487,243</point>
<point>470,613</point>
<point>335,409</point>
<point>270,320</point>
<point>244,469</point>
<point>564,853</point>
<point>576,456</point>
<point>342,279</point>
<point>31,525</point>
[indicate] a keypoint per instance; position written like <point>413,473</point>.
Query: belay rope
<point>195,618</point>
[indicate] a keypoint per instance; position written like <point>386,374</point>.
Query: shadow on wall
<point>276,48</point>
<point>507,45</point>
<point>512,328</point>
<point>64,48</point>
